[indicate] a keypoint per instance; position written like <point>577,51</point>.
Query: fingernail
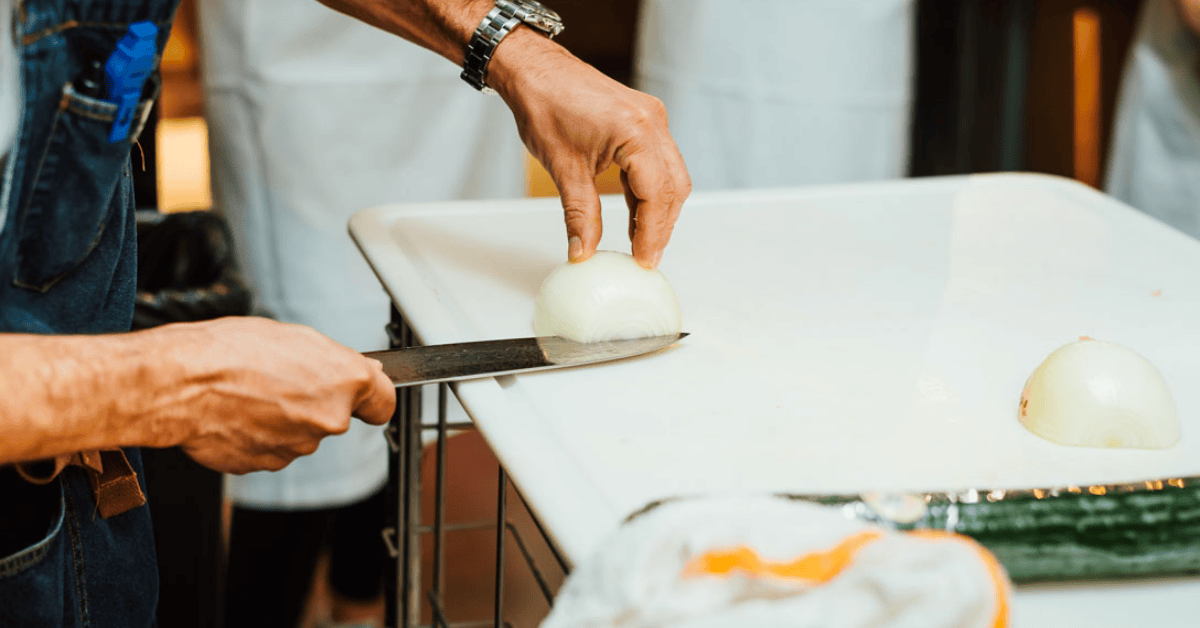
<point>575,249</point>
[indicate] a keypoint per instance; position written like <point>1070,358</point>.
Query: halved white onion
<point>1098,394</point>
<point>608,297</point>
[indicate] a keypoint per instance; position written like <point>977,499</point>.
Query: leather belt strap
<point>113,481</point>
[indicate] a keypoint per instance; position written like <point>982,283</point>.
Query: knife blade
<point>488,358</point>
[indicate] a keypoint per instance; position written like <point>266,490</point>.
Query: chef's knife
<point>488,358</point>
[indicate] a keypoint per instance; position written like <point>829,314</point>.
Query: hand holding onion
<point>1097,394</point>
<point>580,123</point>
<point>608,297</point>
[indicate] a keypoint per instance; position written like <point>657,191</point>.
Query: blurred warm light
<point>183,179</point>
<point>178,54</point>
<point>1086,39</point>
<point>540,183</point>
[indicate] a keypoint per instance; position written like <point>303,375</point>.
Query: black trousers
<point>273,553</point>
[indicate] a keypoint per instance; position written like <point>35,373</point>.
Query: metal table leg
<point>400,534</point>
<point>403,530</point>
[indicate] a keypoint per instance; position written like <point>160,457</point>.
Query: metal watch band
<point>494,27</point>
<point>497,24</point>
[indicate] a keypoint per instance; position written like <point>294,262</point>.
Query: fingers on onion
<point>1098,394</point>
<point>608,297</point>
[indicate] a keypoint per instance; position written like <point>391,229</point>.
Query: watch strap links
<point>494,27</point>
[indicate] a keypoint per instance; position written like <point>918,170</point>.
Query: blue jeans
<point>68,266</point>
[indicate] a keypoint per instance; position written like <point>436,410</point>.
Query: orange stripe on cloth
<point>819,566</point>
<point>823,566</point>
<point>995,570</point>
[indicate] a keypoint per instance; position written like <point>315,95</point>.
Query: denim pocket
<point>75,178</point>
<point>27,557</point>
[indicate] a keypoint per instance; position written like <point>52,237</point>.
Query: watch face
<point>538,7</point>
<point>535,14</point>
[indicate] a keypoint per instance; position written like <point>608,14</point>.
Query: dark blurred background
<point>1000,85</point>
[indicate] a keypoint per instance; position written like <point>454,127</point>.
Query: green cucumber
<point>1148,528</point>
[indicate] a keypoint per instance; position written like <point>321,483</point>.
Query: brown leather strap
<point>113,481</point>
<point>43,471</point>
<point>116,486</point>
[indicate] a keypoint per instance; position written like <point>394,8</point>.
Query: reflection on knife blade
<point>488,358</point>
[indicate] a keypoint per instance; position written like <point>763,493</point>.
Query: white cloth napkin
<point>765,561</point>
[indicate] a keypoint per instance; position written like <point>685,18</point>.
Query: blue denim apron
<point>68,266</point>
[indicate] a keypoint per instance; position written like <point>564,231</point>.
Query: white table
<point>844,339</point>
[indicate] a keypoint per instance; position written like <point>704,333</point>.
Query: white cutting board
<point>844,339</point>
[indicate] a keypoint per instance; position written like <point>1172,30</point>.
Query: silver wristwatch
<point>505,16</point>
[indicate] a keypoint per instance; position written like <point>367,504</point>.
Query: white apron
<point>782,92</point>
<point>1155,160</point>
<point>313,116</point>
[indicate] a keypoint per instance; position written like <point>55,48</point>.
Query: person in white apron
<point>1155,160</point>
<point>313,116</point>
<point>782,92</point>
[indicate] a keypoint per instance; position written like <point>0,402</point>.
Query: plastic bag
<point>186,270</point>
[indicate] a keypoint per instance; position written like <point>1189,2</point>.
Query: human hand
<point>255,394</point>
<point>577,122</point>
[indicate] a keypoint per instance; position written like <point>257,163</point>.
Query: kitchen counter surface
<point>844,339</point>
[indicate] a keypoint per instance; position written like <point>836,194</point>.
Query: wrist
<point>507,19</point>
<point>166,391</point>
<point>523,55</point>
<point>462,29</point>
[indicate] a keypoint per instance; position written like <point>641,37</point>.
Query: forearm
<point>446,26</point>
<point>63,394</point>
<point>443,26</point>
<point>1190,10</point>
